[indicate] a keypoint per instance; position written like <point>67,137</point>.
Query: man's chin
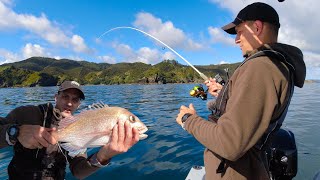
<point>66,113</point>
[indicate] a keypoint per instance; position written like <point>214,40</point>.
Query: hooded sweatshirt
<point>257,93</point>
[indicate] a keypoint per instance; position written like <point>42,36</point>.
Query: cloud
<point>165,31</point>
<point>126,51</point>
<point>31,50</point>
<point>41,27</point>
<point>79,44</point>
<point>313,59</point>
<point>8,2</point>
<point>149,56</point>
<point>224,62</point>
<point>231,5</point>
<point>8,57</point>
<point>219,36</point>
<point>143,54</point>
<point>169,56</point>
<point>297,28</point>
<point>107,59</point>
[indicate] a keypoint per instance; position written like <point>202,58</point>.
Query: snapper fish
<point>93,127</point>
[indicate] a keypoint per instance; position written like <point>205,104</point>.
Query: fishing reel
<point>219,79</point>
<point>199,92</point>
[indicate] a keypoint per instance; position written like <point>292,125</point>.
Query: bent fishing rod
<point>127,27</point>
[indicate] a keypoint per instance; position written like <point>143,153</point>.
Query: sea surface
<point>169,152</point>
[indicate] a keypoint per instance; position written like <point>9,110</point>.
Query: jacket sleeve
<point>253,98</point>
<point>4,124</point>
<point>20,115</point>
<point>80,166</point>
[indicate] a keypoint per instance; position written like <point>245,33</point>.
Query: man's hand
<point>213,87</point>
<point>35,136</point>
<point>183,111</point>
<point>122,139</point>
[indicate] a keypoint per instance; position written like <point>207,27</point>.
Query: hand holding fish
<point>115,129</point>
<point>122,139</point>
<point>213,87</point>
<point>35,136</point>
<point>183,111</point>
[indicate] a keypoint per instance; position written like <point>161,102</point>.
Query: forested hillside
<point>42,71</point>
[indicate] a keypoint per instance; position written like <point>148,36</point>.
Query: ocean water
<point>169,152</point>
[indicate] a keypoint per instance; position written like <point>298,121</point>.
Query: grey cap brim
<point>230,28</point>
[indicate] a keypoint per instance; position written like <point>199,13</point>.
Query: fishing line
<point>127,27</point>
<point>65,156</point>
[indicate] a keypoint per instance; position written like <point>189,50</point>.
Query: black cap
<point>255,11</point>
<point>71,85</point>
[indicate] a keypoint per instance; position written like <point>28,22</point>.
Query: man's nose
<point>69,102</point>
<point>237,39</point>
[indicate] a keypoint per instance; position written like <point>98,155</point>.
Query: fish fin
<point>100,139</point>
<point>72,149</point>
<point>98,142</point>
<point>66,121</point>
<point>97,105</point>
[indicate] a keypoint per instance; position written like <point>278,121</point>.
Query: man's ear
<point>55,98</point>
<point>258,27</point>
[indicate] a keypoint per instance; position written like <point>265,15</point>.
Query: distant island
<point>44,71</point>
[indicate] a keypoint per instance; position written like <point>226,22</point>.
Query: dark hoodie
<point>294,57</point>
<point>257,93</point>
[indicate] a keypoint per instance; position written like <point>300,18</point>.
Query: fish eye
<point>132,119</point>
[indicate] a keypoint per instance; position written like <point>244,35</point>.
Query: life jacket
<point>37,163</point>
<point>220,104</point>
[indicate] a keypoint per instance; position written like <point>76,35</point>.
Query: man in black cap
<point>252,105</point>
<point>28,129</point>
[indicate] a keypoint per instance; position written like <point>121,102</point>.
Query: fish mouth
<point>142,136</point>
<point>142,130</point>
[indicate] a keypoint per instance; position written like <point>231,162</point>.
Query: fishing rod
<point>127,27</point>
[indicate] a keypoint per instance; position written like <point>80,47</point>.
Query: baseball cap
<point>71,85</point>
<point>255,11</point>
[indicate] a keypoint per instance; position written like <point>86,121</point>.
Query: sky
<point>79,30</point>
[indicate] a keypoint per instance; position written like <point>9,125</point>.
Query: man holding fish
<point>45,139</point>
